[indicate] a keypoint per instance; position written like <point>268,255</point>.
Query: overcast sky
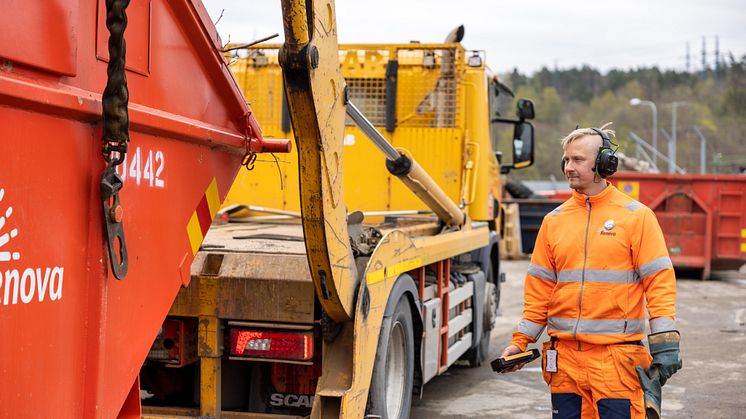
<point>525,34</point>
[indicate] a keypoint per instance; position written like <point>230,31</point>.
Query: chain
<point>115,135</point>
<point>249,157</point>
<point>116,96</point>
<point>248,160</point>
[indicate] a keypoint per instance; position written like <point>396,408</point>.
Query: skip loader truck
<point>390,275</point>
<point>113,166</point>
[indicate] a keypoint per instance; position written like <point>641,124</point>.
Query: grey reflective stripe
<point>591,275</point>
<point>597,327</point>
<point>662,324</point>
<point>558,324</point>
<point>654,266</point>
<point>529,328</point>
<point>556,211</point>
<point>542,272</point>
<point>634,205</point>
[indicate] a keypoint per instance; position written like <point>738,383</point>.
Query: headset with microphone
<point>606,160</point>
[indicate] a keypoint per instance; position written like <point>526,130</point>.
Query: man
<point>598,257</point>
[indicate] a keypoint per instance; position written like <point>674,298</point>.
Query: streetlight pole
<point>636,102</point>
<point>672,143</point>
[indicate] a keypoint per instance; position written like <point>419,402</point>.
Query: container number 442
<point>144,167</point>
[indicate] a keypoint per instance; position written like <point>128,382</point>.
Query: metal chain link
<point>116,95</point>
<point>115,135</point>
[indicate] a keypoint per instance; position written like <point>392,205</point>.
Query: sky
<point>526,35</point>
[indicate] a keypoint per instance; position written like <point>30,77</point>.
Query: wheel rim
<point>395,371</point>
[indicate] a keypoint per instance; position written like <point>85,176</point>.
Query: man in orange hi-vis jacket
<point>598,258</point>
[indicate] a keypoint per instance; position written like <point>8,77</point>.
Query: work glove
<point>664,347</point>
<point>651,387</point>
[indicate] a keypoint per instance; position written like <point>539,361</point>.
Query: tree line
<point>715,103</point>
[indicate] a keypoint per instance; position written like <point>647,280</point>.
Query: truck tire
<point>478,354</point>
<point>519,190</point>
<point>390,395</point>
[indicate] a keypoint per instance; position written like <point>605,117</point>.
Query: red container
<point>703,217</point>
<point>72,337</point>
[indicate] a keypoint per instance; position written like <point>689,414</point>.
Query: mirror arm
<point>506,120</point>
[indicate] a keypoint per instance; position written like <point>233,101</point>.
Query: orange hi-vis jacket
<point>595,262</point>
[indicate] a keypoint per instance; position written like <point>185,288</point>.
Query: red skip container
<point>72,337</point>
<point>703,217</point>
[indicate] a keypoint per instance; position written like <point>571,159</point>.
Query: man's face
<point>579,157</point>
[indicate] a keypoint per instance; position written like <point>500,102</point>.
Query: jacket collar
<point>603,196</point>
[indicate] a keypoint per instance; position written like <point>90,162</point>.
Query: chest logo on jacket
<point>608,225</point>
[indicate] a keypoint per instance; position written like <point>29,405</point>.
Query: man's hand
<point>512,350</point>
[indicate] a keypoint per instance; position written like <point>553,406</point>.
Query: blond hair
<point>582,132</point>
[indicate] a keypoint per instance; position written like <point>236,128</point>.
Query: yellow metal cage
<point>430,120</point>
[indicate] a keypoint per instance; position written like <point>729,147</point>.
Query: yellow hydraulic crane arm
<point>315,93</point>
<point>317,103</point>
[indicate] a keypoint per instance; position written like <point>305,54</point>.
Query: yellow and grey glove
<point>664,347</point>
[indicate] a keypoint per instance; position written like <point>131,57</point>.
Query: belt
<point>631,342</point>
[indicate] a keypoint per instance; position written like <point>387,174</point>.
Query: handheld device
<point>503,363</point>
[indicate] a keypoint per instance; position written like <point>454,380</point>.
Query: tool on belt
<point>506,362</point>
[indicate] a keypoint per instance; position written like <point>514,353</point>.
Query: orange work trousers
<point>596,381</point>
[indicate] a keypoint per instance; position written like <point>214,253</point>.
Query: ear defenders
<point>606,161</point>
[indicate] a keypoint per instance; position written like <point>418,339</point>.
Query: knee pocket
<point>620,374</point>
<point>614,409</point>
<point>566,406</point>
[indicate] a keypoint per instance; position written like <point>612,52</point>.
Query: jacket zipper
<point>582,277</point>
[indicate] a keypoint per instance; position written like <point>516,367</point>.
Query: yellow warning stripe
<point>194,230</point>
<point>393,270</point>
<point>213,198</point>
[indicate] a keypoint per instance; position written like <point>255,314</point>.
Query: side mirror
<point>523,144</point>
<point>524,109</point>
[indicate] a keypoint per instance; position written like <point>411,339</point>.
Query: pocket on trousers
<point>620,374</point>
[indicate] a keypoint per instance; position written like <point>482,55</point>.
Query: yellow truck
<point>341,278</point>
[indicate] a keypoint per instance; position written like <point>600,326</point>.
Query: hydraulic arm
<point>317,103</point>
<point>401,164</point>
<point>315,93</point>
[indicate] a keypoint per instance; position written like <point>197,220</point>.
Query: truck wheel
<point>390,395</point>
<point>476,355</point>
<point>519,190</point>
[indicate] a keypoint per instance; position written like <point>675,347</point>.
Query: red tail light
<point>297,346</point>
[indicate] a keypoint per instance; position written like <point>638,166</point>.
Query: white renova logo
<point>6,255</point>
<point>609,224</point>
<point>25,283</point>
